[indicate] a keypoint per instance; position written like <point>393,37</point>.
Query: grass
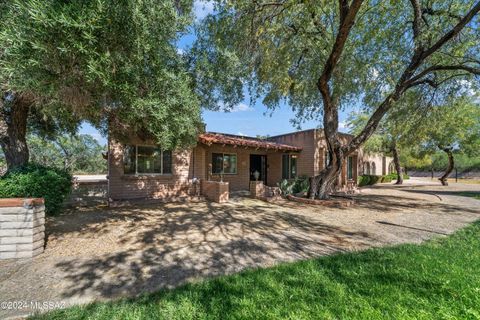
<point>468,181</point>
<point>471,194</point>
<point>439,279</point>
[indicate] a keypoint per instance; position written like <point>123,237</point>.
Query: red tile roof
<point>210,138</point>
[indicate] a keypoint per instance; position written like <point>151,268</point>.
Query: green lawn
<point>475,195</point>
<point>437,280</point>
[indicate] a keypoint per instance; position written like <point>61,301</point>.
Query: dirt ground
<point>101,253</point>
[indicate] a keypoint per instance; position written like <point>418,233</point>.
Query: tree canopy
<point>78,154</point>
<point>108,62</point>
<point>322,56</point>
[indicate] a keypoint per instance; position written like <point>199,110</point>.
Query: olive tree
<point>321,56</point>
<point>112,63</point>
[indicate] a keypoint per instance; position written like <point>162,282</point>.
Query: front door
<point>258,168</point>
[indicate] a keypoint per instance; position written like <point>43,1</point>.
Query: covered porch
<point>239,160</point>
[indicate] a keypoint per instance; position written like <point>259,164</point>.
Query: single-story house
<point>139,169</point>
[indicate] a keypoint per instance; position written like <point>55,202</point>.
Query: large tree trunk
<point>451,165</point>
<point>13,129</point>
<point>408,79</point>
<point>322,185</point>
<point>396,161</point>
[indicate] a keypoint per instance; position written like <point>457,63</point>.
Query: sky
<point>243,119</point>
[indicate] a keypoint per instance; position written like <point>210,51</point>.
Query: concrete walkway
<point>101,254</point>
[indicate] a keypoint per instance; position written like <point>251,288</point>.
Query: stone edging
<point>326,203</point>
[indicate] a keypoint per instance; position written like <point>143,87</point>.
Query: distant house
<point>139,169</point>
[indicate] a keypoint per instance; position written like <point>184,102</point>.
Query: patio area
<point>101,253</point>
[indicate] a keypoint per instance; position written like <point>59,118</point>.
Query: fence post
<point>456,174</point>
<point>432,173</point>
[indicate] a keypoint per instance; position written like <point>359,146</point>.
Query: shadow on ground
<point>165,245</point>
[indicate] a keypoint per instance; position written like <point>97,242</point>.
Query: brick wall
<point>22,230</point>
<point>240,180</point>
<point>215,191</point>
<point>170,186</point>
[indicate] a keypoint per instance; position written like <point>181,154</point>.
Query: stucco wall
<point>375,161</point>
<point>308,157</point>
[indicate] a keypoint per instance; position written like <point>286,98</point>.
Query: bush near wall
<point>298,185</point>
<point>393,176</point>
<point>36,181</point>
<point>368,180</point>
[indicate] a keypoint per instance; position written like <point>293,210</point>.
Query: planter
<point>215,191</point>
<point>22,228</point>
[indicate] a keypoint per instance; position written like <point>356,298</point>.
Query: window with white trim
<point>224,163</point>
<point>138,159</point>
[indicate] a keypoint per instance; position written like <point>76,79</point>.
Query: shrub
<point>368,180</point>
<point>298,185</point>
<point>363,180</point>
<point>285,187</point>
<point>387,178</point>
<point>37,181</point>
<point>375,179</point>
<point>393,176</point>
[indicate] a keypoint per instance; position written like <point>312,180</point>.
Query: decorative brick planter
<point>257,189</point>
<point>215,191</point>
<point>22,230</point>
<point>327,203</point>
<point>260,191</point>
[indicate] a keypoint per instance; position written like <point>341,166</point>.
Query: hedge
<point>368,180</point>
<point>36,181</point>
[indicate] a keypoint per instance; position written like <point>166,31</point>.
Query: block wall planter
<point>215,191</point>
<point>22,228</point>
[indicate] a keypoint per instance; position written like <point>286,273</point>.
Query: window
<point>146,159</point>
<point>224,163</point>
<point>289,166</point>
<point>349,168</point>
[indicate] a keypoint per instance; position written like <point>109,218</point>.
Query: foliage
<point>112,63</point>
<point>281,49</point>
<point>387,179</point>
<point>463,162</point>
<point>298,185</point>
<point>368,180</point>
<point>453,126</point>
<point>37,181</point>
<point>436,279</point>
<point>285,187</point>
<point>393,176</point>
<point>78,154</point>
<point>320,57</point>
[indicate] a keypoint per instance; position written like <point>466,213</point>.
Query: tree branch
<point>433,69</point>
<point>340,40</point>
<point>453,32</point>
<point>417,22</point>
<point>403,83</point>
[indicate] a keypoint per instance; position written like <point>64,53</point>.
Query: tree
<point>114,64</point>
<point>453,128</point>
<point>78,154</point>
<point>321,56</point>
<point>397,131</point>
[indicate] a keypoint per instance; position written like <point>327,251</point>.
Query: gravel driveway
<point>101,253</point>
